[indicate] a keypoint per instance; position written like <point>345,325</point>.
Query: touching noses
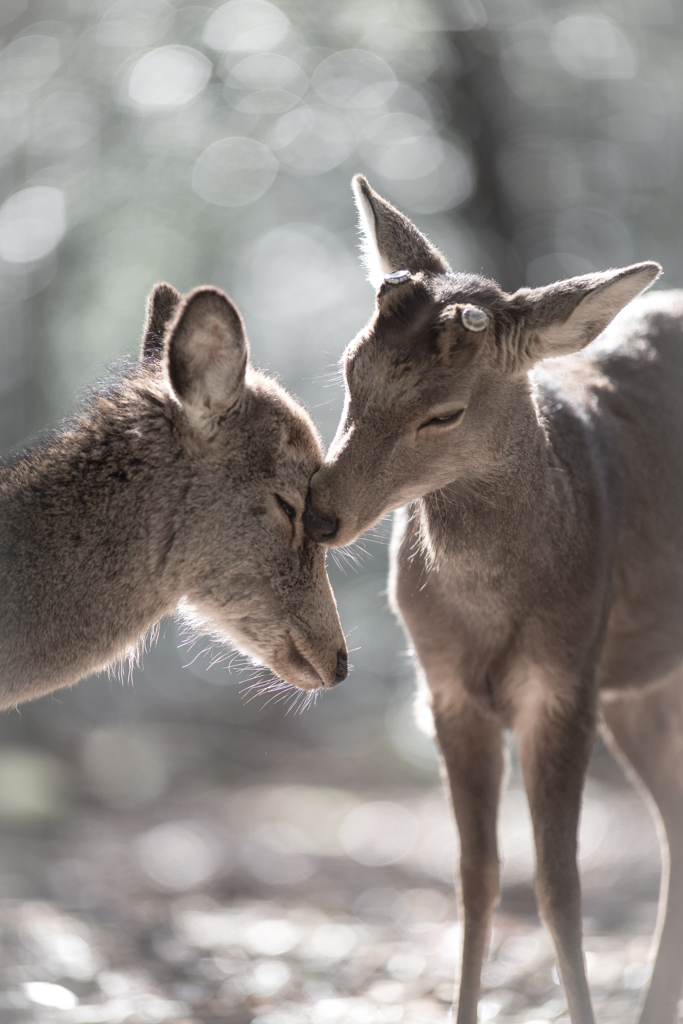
<point>321,528</point>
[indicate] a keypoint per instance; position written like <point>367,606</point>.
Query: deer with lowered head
<point>181,483</point>
<point>537,439</point>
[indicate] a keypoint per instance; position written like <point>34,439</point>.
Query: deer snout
<point>332,676</point>
<point>342,669</point>
<point>319,526</point>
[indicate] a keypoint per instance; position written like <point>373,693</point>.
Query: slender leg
<point>473,753</point>
<point>648,729</point>
<point>555,745</point>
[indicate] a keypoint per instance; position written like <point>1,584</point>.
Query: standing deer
<point>539,570</point>
<point>183,482</point>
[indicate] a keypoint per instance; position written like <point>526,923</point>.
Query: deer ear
<point>206,357</point>
<point>162,302</point>
<point>391,241</point>
<point>564,317</point>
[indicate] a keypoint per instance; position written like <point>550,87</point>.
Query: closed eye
<point>448,419</point>
<point>288,510</point>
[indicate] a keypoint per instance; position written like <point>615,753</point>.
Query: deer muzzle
<point>335,512</point>
<point>320,527</point>
<point>311,669</point>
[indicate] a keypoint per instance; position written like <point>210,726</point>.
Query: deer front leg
<point>555,743</point>
<point>473,754</point>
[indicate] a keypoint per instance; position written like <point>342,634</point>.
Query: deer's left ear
<point>564,317</point>
<point>391,241</point>
<point>206,357</point>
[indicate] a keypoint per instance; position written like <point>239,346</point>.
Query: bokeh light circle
<point>28,62</point>
<point>311,140</point>
<point>168,77</point>
<point>246,26</point>
<point>234,172</point>
<point>295,269</point>
<point>591,46</point>
<point>46,993</point>
<point>176,856</point>
<point>354,80</point>
<point>378,833</point>
<point>267,71</point>
<point>426,174</point>
<point>32,224</point>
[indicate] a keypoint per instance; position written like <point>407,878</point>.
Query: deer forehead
<point>296,454</point>
<point>296,463</point>
<point>412,316</point>
<point>301,443</point>
<point>386,383</point>
<point>273,411</point>
<point>400,357</point>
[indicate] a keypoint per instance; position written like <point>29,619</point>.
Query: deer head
<point>434,381</point>
<point>240,556</point>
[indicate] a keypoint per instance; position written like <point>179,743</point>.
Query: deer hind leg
<point>555,744</point>
<point>474,758</point>
<point>647,729</point>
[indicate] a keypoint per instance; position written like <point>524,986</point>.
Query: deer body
<point>528,605</point>
<point>539,567</point>
<point>184,480</point>
<point>598,444</point>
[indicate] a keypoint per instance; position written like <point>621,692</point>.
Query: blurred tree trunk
<point>477,95</point>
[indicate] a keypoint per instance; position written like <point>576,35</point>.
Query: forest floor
<point>303,905</point>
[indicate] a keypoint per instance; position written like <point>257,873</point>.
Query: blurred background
<point>169,851</point>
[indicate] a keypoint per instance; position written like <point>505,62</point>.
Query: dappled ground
<point>290,904</point>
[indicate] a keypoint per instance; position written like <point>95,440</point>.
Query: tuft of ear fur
<point>389,240</point>
<point>162,302</point>
<point>564,317</point>
<point>206,357</point>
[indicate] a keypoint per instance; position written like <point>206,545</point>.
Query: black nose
<point>342,669</point>
<point>321,529</point>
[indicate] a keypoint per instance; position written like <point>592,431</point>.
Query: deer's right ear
<point>162,302</point>
<point>206,357</point>
<point>391,241</point>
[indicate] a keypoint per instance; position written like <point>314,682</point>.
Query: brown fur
<point>183,482</point>
<point>539,570</point>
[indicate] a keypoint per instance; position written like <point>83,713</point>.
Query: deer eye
<point>286,507</point>
<point>447,418</point>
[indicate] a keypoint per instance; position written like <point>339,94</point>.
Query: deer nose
<point>342,669</point>
<point>321,529</point>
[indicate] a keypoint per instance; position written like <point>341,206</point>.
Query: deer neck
<point>88,523</point>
